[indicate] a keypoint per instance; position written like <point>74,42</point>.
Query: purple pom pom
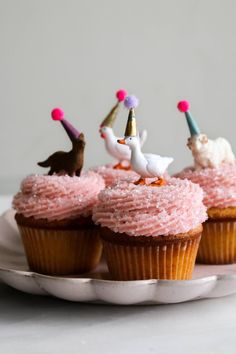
<point>131,102</point>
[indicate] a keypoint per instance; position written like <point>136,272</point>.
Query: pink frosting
<point>219,184</point>
<point>151,211</point>
<point>58,197</point>
<point>112,176</point>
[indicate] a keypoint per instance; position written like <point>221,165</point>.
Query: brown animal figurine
<point>70,162</point>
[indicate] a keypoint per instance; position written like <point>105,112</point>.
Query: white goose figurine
<point>120,152</point>
<point>146,165</point>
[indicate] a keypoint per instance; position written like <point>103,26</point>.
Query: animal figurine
<point>146,165</point>
<point>69,162</point>
<point>119,152</point>
<point>207,153</point>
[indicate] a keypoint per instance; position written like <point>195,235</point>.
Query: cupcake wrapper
<point>218,244</point>
<point>167,261</point>
<point>61,252</point>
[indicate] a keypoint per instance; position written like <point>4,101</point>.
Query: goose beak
<point>121,141</point>
<point>102,135</point>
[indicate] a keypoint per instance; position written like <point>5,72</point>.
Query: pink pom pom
<point>121,94</point>
<point>57,114</point>
<point>183,106</point>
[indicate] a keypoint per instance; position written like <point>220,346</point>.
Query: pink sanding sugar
<point>219,184</point>
<point>112,176</point>
<point>58,197</point>
<point>151,211</point>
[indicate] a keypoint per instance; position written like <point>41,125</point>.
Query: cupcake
<point>215,171</point>
<point>121,170</point>
<point>150,230</point>
<point>53,212</point>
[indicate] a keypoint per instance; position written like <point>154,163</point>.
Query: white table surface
<point>38,325</point>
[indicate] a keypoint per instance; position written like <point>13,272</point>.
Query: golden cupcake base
<point>60,251</point>
<point>218,243</point>
<point>141,257</point>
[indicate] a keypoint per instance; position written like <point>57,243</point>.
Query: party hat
<point>131,102</point>
<point>58,114</point>
<point>111,117</point>
<point>183,106</point>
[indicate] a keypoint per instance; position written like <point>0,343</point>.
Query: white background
<point>76,54</point>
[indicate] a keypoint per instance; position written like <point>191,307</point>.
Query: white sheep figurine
<point>210,153</point>
<point>206,152</point>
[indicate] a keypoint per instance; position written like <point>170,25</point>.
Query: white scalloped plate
<point>207,282</point>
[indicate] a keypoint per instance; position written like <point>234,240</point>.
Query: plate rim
<point>210,282</point>
<point>213,277</point>
<point>30,273</point>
